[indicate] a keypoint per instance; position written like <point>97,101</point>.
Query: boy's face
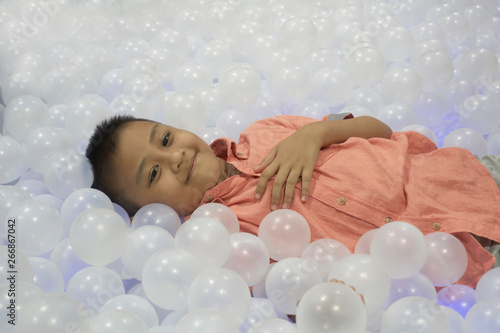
<point>159,163</point>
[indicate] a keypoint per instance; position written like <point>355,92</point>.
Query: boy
<point>347,176</point>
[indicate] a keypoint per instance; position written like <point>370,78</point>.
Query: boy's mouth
<point>192,165</point>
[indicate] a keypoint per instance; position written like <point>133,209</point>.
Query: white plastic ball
<point>142,243</point>
<point>215,56</point>
<point>311,109</point>
<point>98,236</point>
<point>479,112</point>
<point>488,285</point>
<point>20,84</point>
<point>366,97</point>
<point>291,84</point>
<point>186,110</point>
<point>221,213</point>
<point>467,138</point>
<point>455,26</point>
<point>134,304</point>
<point>38,226</point>
<point>130,48</point>
<point>239,86</point>
<point>416,285</point>
<point>285,232</point>
<point>24,114</point>
<point>46,275</point>
<point>478,64</point>
<point>66,172</point>
<point>249,257</point>
<point>368,276</point>
<point>424,130</point>
<point>206,321</point>
<point>401,248</point>
<point>447,260</point>
<point>331,86</point>
<point>82,116</point>
<point>401,85</point>
<point>288,280</point>
<point>79,201</point>
<point>66,260</point>
<point>118,321</point>
<point>157,214</point>
<point>435,68</point>
<point>332,308</point>
<point>299,34</point>
<point>364,66</point>
<point>273,325</point>
<point>395,43</point>
<point>93,286</point>
<point>206,239</point>
<point>317,59</point>
<point>456,322</point>
<point>260,310</point>
<point>414,314</point>
<point>24,269</point>
<point>233,122</point>
<point>221,289</point>
<point>430,108</point>
<point>42,143</point>
<point>167,275</point>
<point>483,316</point>
<point>427,45</point>
<point>191,76</point>
<point>62,84</point>
<point>397,116</point>
<point>53,313</point>
<point>12,161</point>
<point>325,253</point>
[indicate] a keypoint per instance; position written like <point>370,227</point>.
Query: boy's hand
<point>291,160</point>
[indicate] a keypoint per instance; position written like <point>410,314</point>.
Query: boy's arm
<point>294,158</point>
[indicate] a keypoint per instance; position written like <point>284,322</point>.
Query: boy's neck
<point>227,170</point>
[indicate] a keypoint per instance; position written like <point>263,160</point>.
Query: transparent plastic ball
<point>299,34</point>
<point>285,232</point>
<point>325,253</point>
<point>365,66</point>
<point>12,159</point>
<point>118,321</point>
<point>233,122</point>
<point>206,239</point>
<point>416,285</point>
<point>64,312</point>
<point>291,84</point>
<point>331,307</point>
<point>478,64</point>
<point>46,275</point>
<point>239,86</point>
<point>401,248</point>
<point>401,85</point>
<point>249,257</point>
<point>331,86</point>
<point>93,286</point>
<point>397,116</point>
<point>134,304</point>
<point>435,69</point>
<point>395,43</point>
<point>42,143</point>
<point>221,213</point>
<point>62,84</point>
<point>467,138</point>
<point>488,285</point>
<point>98,236</point>
<point>397,317</point>
<point>281,292</point>
<point>66,172</point>
<point>24,114</point>
<point>142,243</point>
<point>167,275</point>
<point>38,226</point>
<point>20,84</point>
<point>206,321</point>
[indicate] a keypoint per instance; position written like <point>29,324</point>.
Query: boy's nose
<point>174,159</point>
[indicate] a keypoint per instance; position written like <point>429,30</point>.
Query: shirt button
<point>341,201</point>
<point>388,220</point>
<point>239,154</point>
<point>436,225</point>
<point>209,198</point>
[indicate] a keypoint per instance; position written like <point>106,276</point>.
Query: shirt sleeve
<point>340,116</point>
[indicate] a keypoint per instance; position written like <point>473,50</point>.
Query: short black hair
<point>101,151</point>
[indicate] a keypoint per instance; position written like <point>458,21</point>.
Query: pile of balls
<point>71,262</point>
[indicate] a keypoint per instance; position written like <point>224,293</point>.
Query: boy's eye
<point>165,139</point>
<point>153,174</point>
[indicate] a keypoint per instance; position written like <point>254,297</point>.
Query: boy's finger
<point>267,174</point>
<point>266,161</point>
<point>291,181</point>
<point>278,184</point>
<point>306,183</point>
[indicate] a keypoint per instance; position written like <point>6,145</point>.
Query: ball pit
<point>214,67</point>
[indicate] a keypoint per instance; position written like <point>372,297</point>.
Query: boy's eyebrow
<point>141,166</point>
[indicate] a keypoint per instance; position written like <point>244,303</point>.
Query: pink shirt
<point>362,184</point>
